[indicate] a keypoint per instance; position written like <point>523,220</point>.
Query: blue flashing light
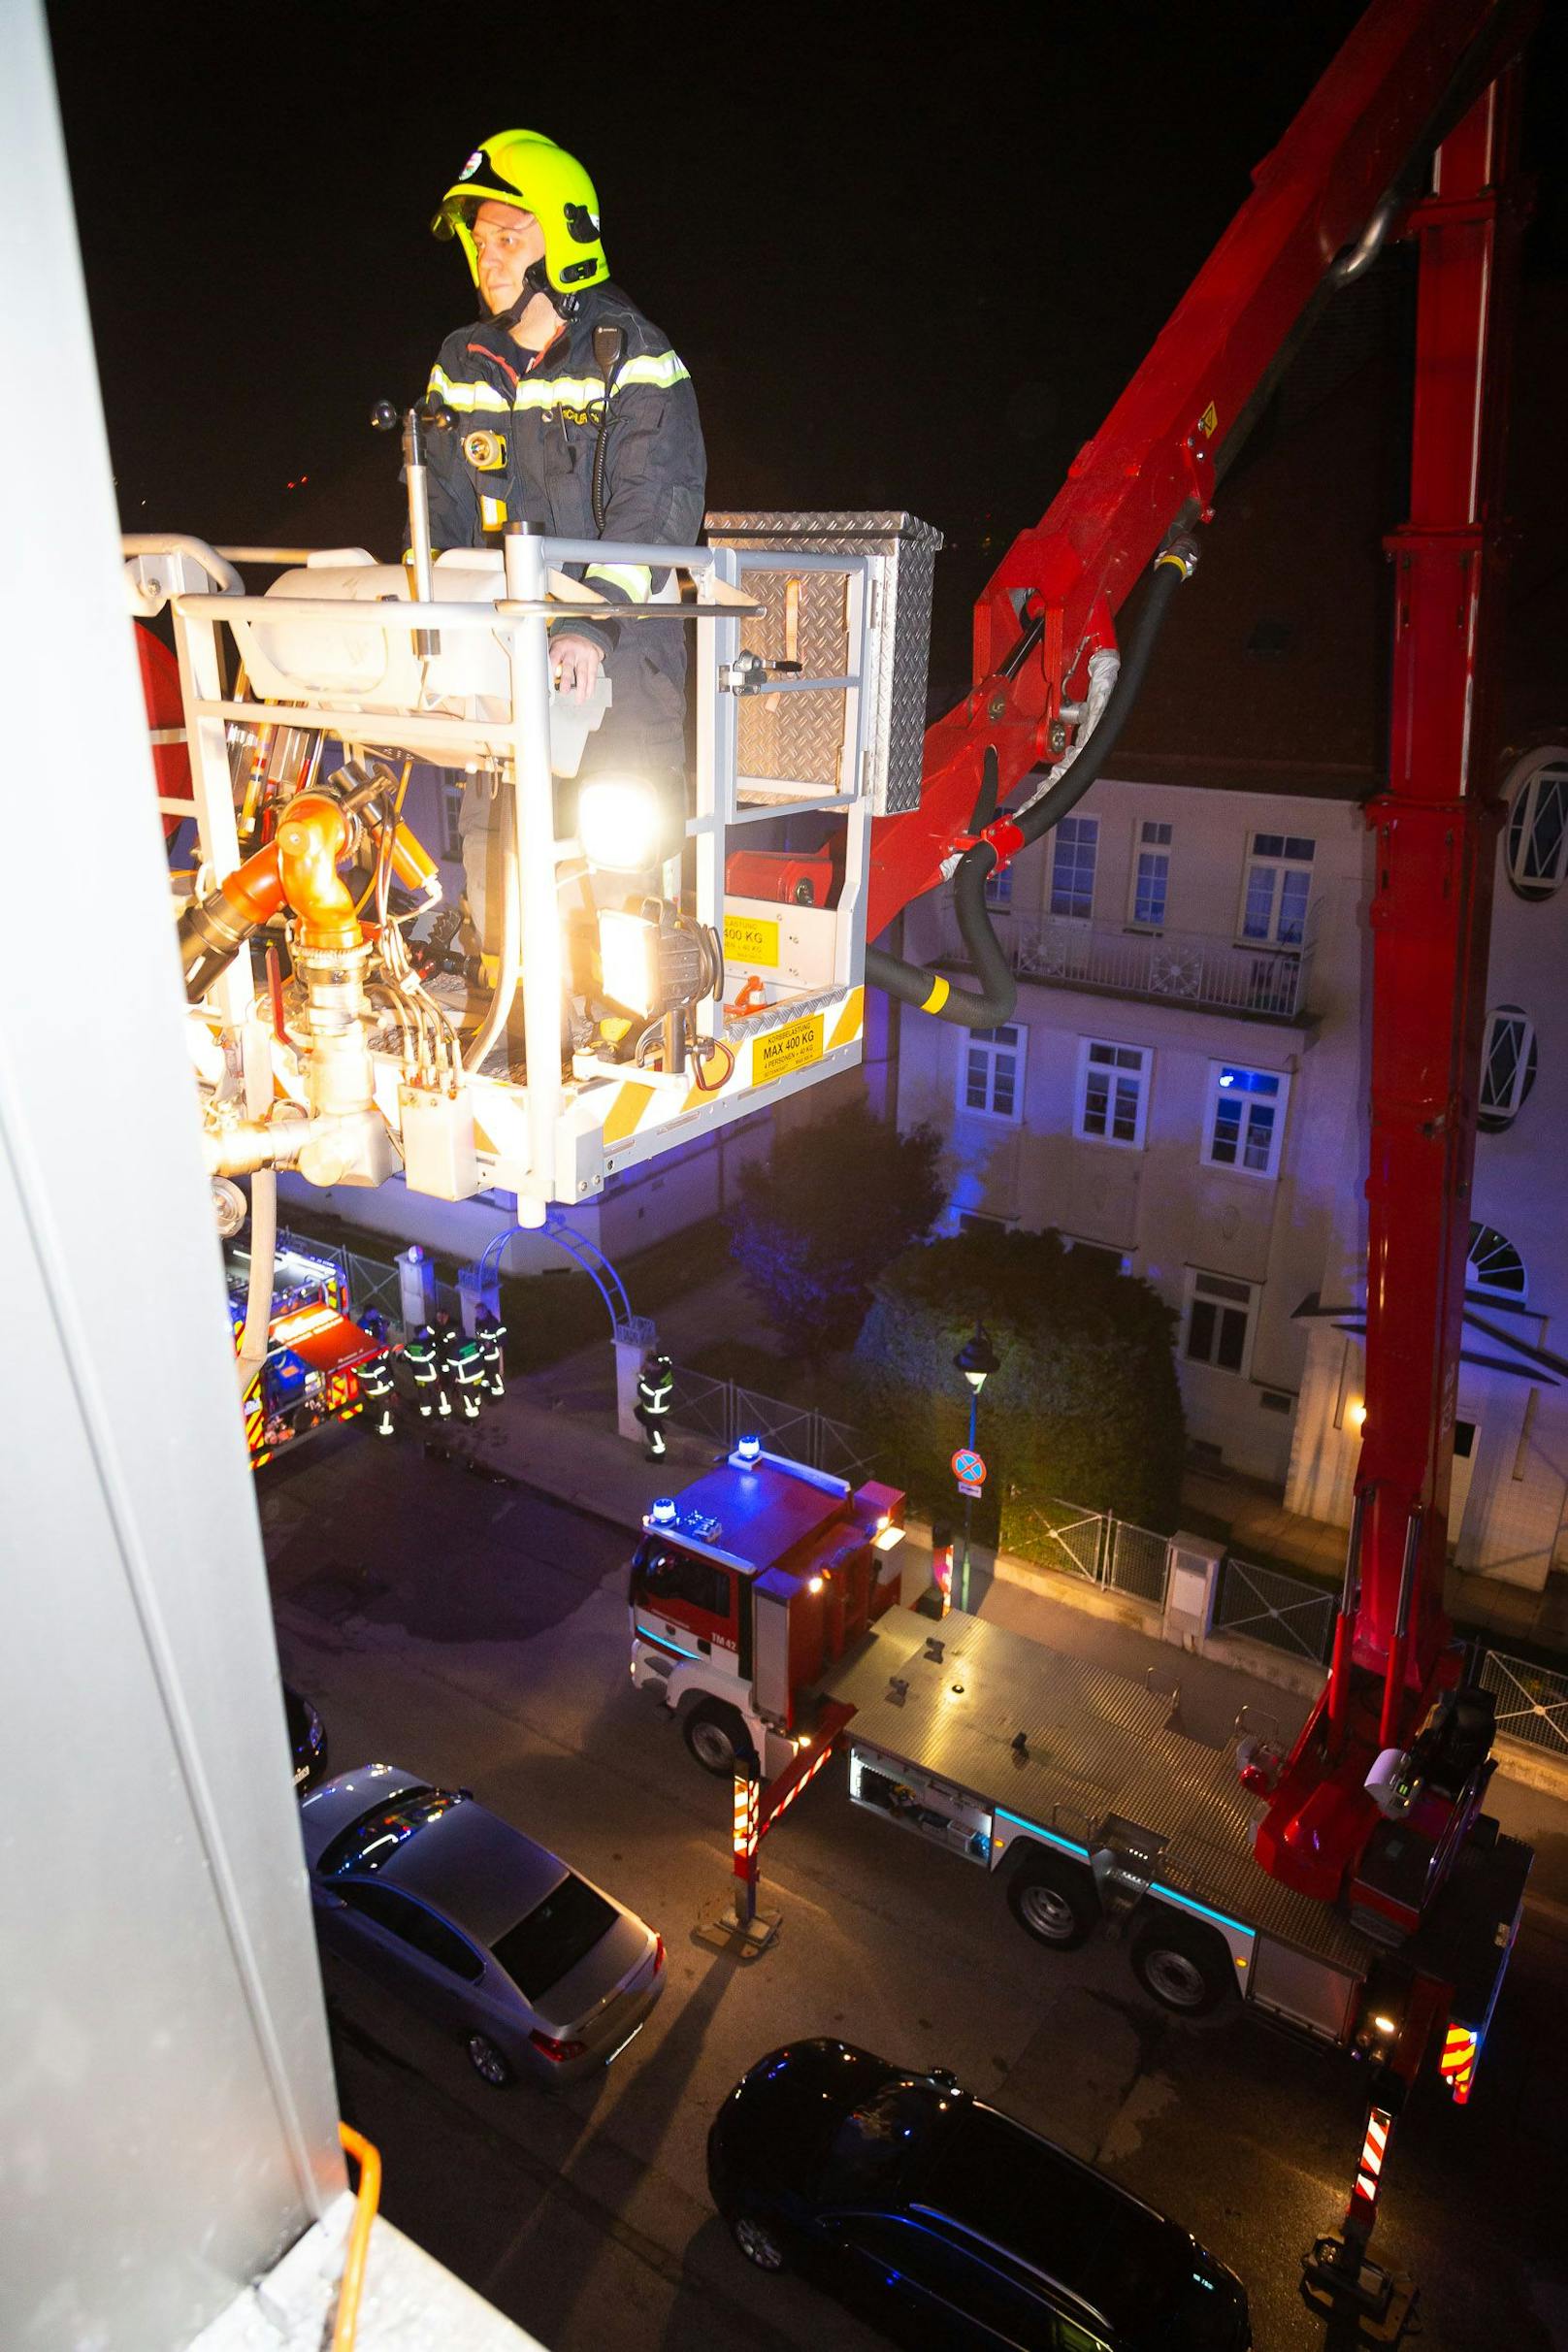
<point>663,1513</point>
<point>748,1448</point>
<point>414,1254</point>
<point>1069,1845</point>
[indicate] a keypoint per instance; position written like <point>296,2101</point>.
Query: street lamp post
<point>976,1359</point>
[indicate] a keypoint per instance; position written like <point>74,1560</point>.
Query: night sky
<point>909,258</point>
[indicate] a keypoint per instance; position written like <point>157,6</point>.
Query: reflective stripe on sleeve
<point>636,579</point>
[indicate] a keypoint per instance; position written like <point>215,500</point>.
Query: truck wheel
<point>1054,1901</point>
<point>717,1738</point>
<point>1182,1967</point>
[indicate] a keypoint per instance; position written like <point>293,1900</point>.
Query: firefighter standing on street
<point>490,1331</point>
<point>574,416</point>
<point>656,1382</point>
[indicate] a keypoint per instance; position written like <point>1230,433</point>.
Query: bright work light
<point>618,825</point>
<point>629,959</point>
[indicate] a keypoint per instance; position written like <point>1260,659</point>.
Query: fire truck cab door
<point>680,1596</point>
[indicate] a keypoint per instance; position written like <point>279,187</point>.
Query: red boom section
<point>1153,457</point>
<point>1435,830</point>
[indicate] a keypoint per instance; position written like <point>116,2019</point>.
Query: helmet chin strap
<point>535,280</point>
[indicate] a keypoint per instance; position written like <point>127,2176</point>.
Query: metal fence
<point>1532,1701</point>
<point>1139,1561</point>
<point>1104,1550</point>
<point>1072,1539</point>
<point>1283,1611</point>
<point>723,1410</point>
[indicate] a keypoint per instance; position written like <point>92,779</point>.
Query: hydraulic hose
<point>998,996</point>
<point>501,1003</point>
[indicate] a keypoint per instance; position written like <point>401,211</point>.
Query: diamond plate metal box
<point>902,553</point>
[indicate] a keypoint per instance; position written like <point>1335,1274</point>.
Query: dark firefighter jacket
<point>523,450</point>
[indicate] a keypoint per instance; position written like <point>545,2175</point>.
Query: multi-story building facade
<point>1184,1082</point>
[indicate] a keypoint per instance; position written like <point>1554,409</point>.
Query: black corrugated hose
<point>998,996</point>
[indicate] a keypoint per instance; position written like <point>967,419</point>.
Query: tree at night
<point>817,1222</point>
<point>1083,1406</point>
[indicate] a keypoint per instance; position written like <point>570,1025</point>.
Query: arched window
<point>1538,822</point>
<point>1507,1066</point>
<point>1494,1264</point>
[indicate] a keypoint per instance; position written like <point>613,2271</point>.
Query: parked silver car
<point>536,1970</point>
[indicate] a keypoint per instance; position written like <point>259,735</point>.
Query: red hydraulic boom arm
<point>1414,76</point>
<point>1319,202</point>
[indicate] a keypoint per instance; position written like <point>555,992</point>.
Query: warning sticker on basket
<point>750,940</point>
<point>782,1050</point>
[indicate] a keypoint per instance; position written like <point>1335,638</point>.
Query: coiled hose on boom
<point>996,998</point>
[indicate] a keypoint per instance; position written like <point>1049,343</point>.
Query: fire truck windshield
<point>661,1573</point>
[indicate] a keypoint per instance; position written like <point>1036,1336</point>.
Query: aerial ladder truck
<point>1390,1899</point>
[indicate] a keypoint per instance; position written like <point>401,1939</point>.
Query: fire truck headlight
<point>618,826</point>
<point>1386,2025</point>
<point>629,959</point>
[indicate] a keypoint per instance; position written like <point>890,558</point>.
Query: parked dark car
<point>943,2223</point>
<point>492,1936</point>
<point>307,1741</point>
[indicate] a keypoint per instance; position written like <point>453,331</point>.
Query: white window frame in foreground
<point>1215,1303</point>
<point>1285,859</point>
<point>1111,1078</point>
<point>987,1057</point>
<point>1244,1121</point>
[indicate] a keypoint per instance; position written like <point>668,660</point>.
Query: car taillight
<point>555,2050</point>
<point>658,1953</point>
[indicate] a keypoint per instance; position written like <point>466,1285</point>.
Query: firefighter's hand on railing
<point>574,666</point>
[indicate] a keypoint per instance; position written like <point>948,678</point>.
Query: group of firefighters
<point>447,1374</point>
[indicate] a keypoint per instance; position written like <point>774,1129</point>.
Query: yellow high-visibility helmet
<point>524,168</point>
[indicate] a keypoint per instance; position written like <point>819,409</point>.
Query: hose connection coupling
<point>1181,551</point>
<point>1004,837</point>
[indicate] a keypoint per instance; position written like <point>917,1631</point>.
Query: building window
<point>993,1073</point>
<point>1219,1322</point>
<point>1278,886</point>
<point>1113,1093</point>
<point>1494,1264</point>
<point>1075,844</point>
<point>1097,1252</point>
<point>1246,1119</point>
<point>1537,823</point>
<point>1507,1067</point>
<point>1150,876</point>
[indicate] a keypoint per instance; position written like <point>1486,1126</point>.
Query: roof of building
<point>1272,671</point>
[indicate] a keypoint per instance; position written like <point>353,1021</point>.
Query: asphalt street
<point>477,1633</point>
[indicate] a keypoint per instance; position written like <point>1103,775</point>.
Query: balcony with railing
<point>1212,974</point>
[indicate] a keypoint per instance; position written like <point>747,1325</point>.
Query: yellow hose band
<point>941,991</point>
